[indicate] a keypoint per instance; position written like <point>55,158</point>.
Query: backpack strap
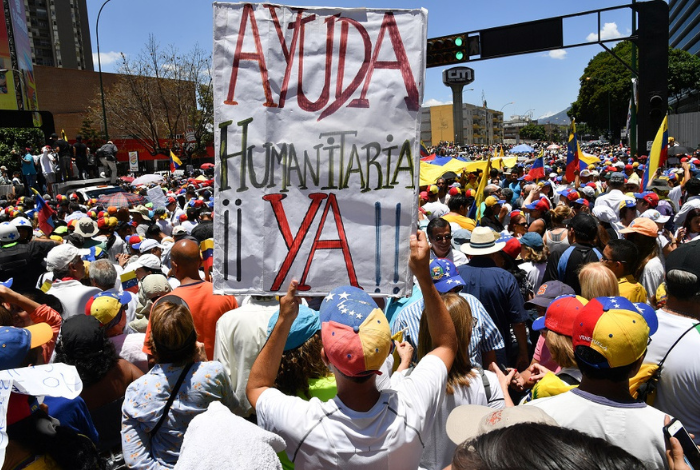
<point>563,261</point>
<point>661,362</point>
<point>487,384</point>
<point>170,401</point>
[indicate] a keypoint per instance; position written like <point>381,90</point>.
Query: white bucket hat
<point>483,242</point>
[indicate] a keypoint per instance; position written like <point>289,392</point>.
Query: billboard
<point>23,52</point>
<point>317,125</point>
<point>7,81</point>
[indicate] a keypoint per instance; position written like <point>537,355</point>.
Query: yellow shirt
<point>464,222</point>
<point>631,289</point>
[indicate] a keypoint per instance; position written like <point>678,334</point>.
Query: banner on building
<point>134,161</point>
<point>317,121</point>
<point>23,53</point>
<point>8,100</point>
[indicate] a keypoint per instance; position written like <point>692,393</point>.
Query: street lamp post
<point>99,67</point>
<point>503,123</point>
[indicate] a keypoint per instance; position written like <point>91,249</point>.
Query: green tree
<point>91,136</point>
<point>13,141</point>
<point>603,97</point>
<point>605,80</point>
<point>533,132</point>
<point>163,96</point>
<point>683,75</point>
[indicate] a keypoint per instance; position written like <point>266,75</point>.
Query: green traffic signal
<point>459,55</point>
<point>458,41</point>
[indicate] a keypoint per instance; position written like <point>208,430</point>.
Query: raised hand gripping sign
<point>317,123</point>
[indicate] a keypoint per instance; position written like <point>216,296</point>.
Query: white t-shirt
<point>73,295</point>
<point>677,392</point>
<point>635,427</point>
<point>46,161</point>
<point>652,276</point>
<point>321,435</point>
<point>439,449</point>
<point>612,200</point>
<point>130,348</point>
<point>675,196</point>
<point>535,274</point>
<point>435,209</point>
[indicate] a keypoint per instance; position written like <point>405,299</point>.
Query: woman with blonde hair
<point>465,384</point>
<point>159,406</point>
<point>555,239</point>
<point>597,280</point>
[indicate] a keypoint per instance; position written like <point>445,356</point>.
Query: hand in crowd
<point>405,352</point>
<point>419,261</point>
<point>122,259</point>
<point>201,353</point>
<point>522,362</point>
<point>537,372</point>
<point>289,304</point>
<point>674,451</point>
<point>504,380</point>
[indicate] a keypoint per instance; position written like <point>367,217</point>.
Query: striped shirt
<point>485,335</point>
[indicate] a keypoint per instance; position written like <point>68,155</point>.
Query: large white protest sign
<point>156,196</point>
<point>54,380</point>
<point>317,120</point>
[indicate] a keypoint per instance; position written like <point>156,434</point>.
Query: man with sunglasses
<point>621,257</point>
<point>440,238</point>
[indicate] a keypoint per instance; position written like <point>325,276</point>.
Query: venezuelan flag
<point>658,154</point>
<point>573,154</point>
<point>175,162</point>
<point>207,250</point>
<point>423,150</point>
<point>475,210</point>
<point>129,282</point>
<point>537,170</point>
<point>45,214</point>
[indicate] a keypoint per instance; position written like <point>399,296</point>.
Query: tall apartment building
<point>60,33</point>
<point>684,27</point>
<point>481,126</point>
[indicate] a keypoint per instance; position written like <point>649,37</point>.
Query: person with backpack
<point>565,266</point>
<point>108,158</point>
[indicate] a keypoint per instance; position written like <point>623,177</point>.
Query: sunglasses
<point>604,259</point>
<point>439,238</point>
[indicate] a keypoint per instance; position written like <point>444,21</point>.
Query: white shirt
<point>652,276</point>
<point>612,200</point>
<point>188,226</point>
<point>73,295</point>
<point>46,161</point>
<point>675,196</point>
<point>439,449</point>
<point>130,348</point>
<point>691,203</point>
<point>240,335</point>
<point>677,392</point>
<point>165,226</point>
<point>435,209</point>
<point>635,427</point>
<point>456,256</point>
<point>321,435</point>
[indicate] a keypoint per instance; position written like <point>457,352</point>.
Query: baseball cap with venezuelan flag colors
<point>355,333</point>
<point>612,327</point>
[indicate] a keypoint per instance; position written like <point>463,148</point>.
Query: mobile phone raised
<point>692,454</point>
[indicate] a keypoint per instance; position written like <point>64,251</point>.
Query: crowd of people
<point>540,313</point>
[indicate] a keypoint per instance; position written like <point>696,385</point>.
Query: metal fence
<point>685,128</point>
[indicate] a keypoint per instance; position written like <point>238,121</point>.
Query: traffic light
<point>657,106</point>
<point>447,50</point>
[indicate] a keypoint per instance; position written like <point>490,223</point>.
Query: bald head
<point>185,259</point>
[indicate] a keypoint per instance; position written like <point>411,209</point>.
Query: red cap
<point>629,167</point>
<point>183,217</point>
<point>573,195</point>
<point>684,159</point>
<point>512,247</point>
<point>652,199</point>
<point>454,191</point>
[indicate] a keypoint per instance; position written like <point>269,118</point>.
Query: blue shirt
<point>73,414</point>
<point>145,400</point>
<point>485,335</point>
<point>498,291</point>
<point>28,165</point>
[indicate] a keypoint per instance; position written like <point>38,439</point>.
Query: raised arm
<point>440,326</point>
<point>264,371</point>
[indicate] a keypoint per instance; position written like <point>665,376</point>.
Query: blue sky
<point>539,83</point>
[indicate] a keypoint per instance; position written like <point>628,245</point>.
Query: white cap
<point>61,256</point>
<point>148,245</point>
<point>655,215</point>
<point>146,261</point>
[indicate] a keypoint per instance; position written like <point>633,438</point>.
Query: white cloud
<point>107,58</point>
<point>559,54</point>
<point>547,114</point>
<point>434,102</point>
<point>609,31</point>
